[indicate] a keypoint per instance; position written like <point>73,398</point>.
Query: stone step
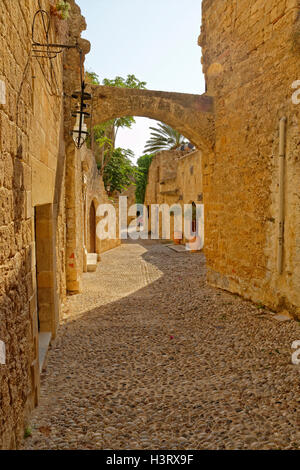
<point>177,248</point>
<point>92,259</point>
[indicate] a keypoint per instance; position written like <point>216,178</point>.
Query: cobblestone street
<point>150,357</point>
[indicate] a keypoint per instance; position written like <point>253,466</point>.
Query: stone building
<point>250,168</point>
<point>49,193</point>
<point>251,194</point>
<point>250,60</point>
<point>246,127</point>
<point>175,177</point>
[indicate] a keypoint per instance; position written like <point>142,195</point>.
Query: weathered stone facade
<point>49,191</point>
<point>250,60</point>
<point>95,194</point>
<point>192,115</point>
<point>175,177</point>
<point>42,224</point>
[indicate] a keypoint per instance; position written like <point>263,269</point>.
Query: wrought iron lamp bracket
<point>50,51</point>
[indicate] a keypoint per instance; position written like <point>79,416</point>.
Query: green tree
<point>110,128</point>
<point>119,172</point>
<point>130,82</point>
<point>143,165</point>
<point>113,126</point>
<point>115,163</point>
<point>92,78</point>
<point>163,137</point>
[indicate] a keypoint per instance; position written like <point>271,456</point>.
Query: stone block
<point>45,279</point>
<point>92,259</point>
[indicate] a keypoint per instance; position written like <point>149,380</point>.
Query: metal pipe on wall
<point>282,142</point>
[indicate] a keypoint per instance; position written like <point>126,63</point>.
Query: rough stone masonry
<point>46,190</point>
<point>250,59</point>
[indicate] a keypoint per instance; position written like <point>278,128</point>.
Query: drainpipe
<point>282,139</point>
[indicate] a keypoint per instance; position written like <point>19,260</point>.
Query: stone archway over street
<point>191,115</point>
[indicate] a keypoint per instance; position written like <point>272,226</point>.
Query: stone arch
<point>191,115</point>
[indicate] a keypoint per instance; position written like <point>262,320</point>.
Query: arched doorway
<point>92,229</point>
<point>194,217</point>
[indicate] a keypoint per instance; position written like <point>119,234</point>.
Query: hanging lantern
<point>80,131</point>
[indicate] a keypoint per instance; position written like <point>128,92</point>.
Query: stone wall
<point>191,115</point>
<point>30,129</point>
<point>131,201</point>
<point>174,177</point>
<point>250,60</point>
<point>95,193</point>
<point>41,198</point>
<point>162,178</point>
<point>189,177</point>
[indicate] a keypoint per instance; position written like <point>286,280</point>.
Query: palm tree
<point>163,138</point>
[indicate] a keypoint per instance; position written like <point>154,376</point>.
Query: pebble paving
<point>150,357</point>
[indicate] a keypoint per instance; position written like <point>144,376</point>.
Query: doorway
<point>92,226</point>
<point>46,289</point>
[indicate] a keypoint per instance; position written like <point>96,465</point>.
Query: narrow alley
<point>150,357</point>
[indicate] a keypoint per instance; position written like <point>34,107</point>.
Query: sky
<point>156,40</point>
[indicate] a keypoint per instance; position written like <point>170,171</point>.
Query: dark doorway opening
<point>92,243</point>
